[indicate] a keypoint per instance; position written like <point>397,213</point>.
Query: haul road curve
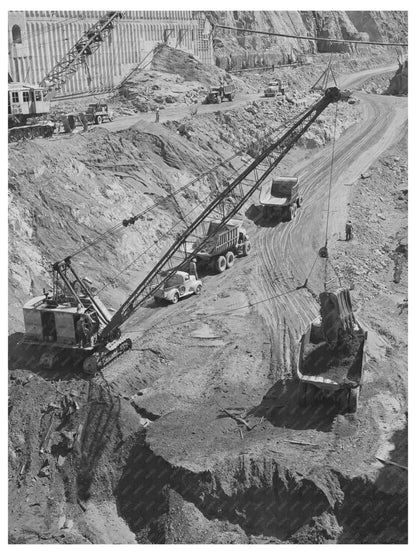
<point>239,357</point>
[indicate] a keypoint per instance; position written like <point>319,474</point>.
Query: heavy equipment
<point>274,88</point>
<point>29,105</point>
<point>98,113</point>
<point>28,110</point>
<point>224,244</point>
<point>72,319</point>
<point>220,93</point>
<point>280,197</point>
<point>332,353</point>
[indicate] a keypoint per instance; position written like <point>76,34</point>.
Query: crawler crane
<point>73,320</point>
<point>28,103</point>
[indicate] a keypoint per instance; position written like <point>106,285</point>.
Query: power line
<point>316,39</point>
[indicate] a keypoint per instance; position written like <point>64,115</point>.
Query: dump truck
<point>98,113</point>
<point>274,88</point>
<point>332,353</point>
<point>180,285</point>
<point>220,93</point>
<point>280,197</point>
<point>221,249</point>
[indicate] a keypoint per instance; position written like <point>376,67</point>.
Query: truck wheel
<point>230,98</point>
<point>175,298</point>
<point>353,396</point>
<point>220,264</point>
<point>98,120</point>
<point>246,248</point>
<point>299,201</point>
<point>229,258</point>
<point>198,290</point>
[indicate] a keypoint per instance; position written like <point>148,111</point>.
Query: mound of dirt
<point>320,359</point>
<point>172,60</point>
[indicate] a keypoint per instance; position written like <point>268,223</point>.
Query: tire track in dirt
<point>290,249</point>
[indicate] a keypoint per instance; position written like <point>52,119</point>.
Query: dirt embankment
<point>146,452</point>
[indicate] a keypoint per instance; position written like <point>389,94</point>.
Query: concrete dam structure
<point>39,39</point>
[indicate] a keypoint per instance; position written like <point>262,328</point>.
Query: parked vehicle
<point>280,197</point>
<point>181,284</point>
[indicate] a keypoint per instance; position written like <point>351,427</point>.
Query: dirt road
<point>211,354</point>
<point>227,349</point>
<point>179,112</point>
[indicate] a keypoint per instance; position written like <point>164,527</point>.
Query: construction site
<point>208,277</point>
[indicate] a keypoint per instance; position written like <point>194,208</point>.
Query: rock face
<point>398,84</point>
<point>236,50</point>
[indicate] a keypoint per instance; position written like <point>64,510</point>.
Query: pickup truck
<point>280,197</point>
<point>181,284</point>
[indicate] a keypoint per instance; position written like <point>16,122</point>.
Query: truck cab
<point>181,284</point>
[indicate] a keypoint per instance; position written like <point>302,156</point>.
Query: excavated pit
<point>260,496</point>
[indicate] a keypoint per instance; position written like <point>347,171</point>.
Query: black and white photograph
<point>207,275</point>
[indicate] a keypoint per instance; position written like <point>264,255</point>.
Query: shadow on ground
<point>281,408</point>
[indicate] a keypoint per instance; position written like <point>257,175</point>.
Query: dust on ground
<point>196,432</point>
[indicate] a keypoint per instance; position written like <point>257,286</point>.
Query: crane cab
<point>26,100</point>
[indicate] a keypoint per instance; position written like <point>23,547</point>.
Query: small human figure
<point>348,231</point>
<point>157,114</point>
<point>192,268</point>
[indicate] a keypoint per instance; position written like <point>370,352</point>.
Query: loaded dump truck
<point>274,88</point>
<point>220,93</point>
<point>280,197</point>
<point>221,249</point>
<point>332,354</point>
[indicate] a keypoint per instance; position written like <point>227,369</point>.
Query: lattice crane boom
<point>226,205</point>
<point>87,45</point>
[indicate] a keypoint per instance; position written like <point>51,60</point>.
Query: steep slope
<point>235,50</point>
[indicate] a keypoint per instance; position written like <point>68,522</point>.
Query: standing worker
<point>157,114</point>
<point>192,268</point>
<point>348,231</point>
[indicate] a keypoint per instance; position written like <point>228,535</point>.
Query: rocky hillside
<point>399,82</point>
<point>239,50</point>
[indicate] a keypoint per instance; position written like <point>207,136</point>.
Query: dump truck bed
<point>279,192</point>
<point>220,242</point>
<point>328,368</point>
